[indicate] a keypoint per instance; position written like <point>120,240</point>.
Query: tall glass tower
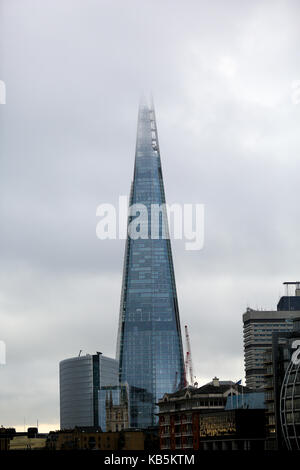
<point>149,345</point>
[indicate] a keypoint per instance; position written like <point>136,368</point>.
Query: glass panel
<point>149,339</point>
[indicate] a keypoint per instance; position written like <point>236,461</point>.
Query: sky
<point>225,80</point>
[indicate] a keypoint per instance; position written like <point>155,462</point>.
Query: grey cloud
<point>221,75</point>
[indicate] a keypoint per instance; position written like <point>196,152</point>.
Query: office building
<point>149,346</point>
<point>31,439</point>
<point>90,438</point>
<point>282,390</point>
<point>182,415</point>
<point>80,379</point>
<point>259,325</point>
<point>237,429</point>
<point>290,302</point>
<point>6,435</point>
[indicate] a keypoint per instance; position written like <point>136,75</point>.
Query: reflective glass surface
<point>149,340</point>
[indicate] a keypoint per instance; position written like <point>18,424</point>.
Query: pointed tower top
<point>149,315</point>
<point>143,100</point>
<point>146,101</point>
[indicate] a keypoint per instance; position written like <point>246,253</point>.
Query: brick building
<point>192,415</point>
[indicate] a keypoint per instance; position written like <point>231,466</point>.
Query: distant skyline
<point>225,77</point>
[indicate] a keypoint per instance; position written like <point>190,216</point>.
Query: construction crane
<point>186,365</point>
<point>188,361</point>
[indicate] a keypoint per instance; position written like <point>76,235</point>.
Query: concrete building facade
<point>259,325</point>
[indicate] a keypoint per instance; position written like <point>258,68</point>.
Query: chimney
<point>216,382</point>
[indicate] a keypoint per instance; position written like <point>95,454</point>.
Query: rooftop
<point>215,387</point>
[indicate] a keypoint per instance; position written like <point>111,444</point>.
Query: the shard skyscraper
<point>149,347</point>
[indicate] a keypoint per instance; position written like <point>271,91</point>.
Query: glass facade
<point>149,346</point>
<point>80,379</point>
<point>254,400</point>
<point>76,392</point>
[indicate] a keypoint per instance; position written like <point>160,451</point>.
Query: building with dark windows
<point>220,415</point>
<point>31,439</point>
<point>91,438</point>
<point>282,390</point>
<point>6,435</point>
<point>259,325</point>
<point>149,346</point>
<point>237,429</point>
<point>80,379</point>
<point>290,302</point>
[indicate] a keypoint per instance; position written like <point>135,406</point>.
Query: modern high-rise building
<point>282,390</point>
<point>259,326</point>
<point>149,347</point>
<point>80,380</point>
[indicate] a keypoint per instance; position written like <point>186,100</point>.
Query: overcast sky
<point>222,76</point>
